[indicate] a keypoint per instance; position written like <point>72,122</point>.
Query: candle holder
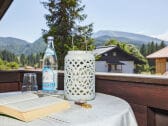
<point>79,76</point>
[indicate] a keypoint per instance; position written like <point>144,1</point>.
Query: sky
<point>25,18</point>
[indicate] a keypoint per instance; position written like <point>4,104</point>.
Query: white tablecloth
<point>106,111</point>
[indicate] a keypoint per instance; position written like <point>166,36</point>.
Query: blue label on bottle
<point>49,83</point>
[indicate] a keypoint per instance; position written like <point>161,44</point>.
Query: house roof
<point>102,49</point>
<point>162,53</point>
<point>4,5</point>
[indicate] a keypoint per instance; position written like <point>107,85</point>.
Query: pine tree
<point>162,44</point>
<point>156,46</point>
<point>149,48</point>
<point>8,56</point>
<point>64,20</point>
<point>23,60</point>
<point>143,50</point>
<point>152,47</point>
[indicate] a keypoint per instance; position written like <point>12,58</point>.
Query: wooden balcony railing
<point>148,95</point>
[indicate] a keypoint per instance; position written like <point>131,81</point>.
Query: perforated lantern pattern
<point>79,80</point>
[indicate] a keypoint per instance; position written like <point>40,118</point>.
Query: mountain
<point>13,45</point>
<point>36,47</point>
<point>18,46</point>
<point>132,38</point>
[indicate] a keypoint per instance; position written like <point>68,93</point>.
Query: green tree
<point>13,65</point>
<point>156,46</point>
<point>129,48</point>
<point>5,65</point>
<point>153,49</point>
<point>31,60</point>
<point>23,60</point>
<point>162,44</point>
<point>63,20</point>
<point>143,50</point>
<point>149,48</point>
<point>37,60</point>
<point>8,56</point>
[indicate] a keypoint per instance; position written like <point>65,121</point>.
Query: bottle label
<point>49,79</point>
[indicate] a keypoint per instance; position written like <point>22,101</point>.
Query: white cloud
<point>141,32</point>
<point>163,36</point>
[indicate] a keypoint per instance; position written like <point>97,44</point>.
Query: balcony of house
<point>147,94</point>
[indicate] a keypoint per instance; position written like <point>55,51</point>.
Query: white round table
<point>106,110</point>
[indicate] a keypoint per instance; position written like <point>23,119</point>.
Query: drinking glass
<point>29,82</point>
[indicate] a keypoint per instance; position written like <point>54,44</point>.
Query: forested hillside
<point>9,60</point>
<point>18,46</point>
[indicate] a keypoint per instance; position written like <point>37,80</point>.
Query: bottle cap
<point>50,38</point>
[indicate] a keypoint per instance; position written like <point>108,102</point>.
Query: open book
<point>27,107</point>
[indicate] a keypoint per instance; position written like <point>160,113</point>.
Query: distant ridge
<point>132,38</point>
<point>19,46</point>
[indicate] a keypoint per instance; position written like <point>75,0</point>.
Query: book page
<point>17,98</point>
<point>35,103</point>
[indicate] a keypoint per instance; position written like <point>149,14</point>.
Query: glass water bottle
<point>50,68</point>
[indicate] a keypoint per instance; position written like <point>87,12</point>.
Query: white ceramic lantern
<point>79,76</point>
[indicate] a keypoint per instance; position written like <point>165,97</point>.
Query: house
<point>114,59</point>
<point>4,5</point>
<point>161,60</point>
